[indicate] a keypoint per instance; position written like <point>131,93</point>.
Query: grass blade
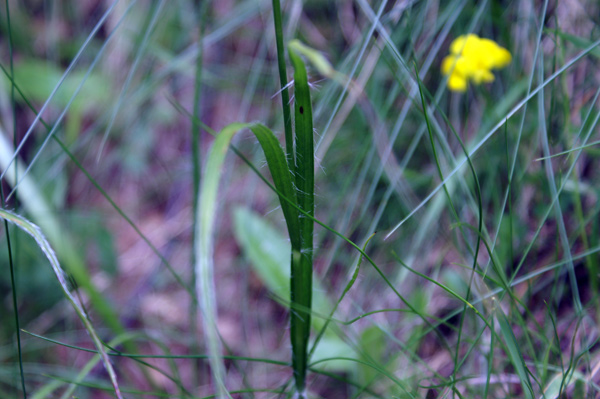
<point>202,12</point>
<point>207,210</point>
<point>35,232</point>
<point>204,237</point>
<point>514,353</point>
<point>301,281</point>
<point>282,179</point>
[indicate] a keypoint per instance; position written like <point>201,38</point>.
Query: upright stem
<point>285,96</point>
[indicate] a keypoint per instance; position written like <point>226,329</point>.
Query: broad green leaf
<point>267,250</point>
<point>330,347</point>
<point>37,79</point>
<point>269,255</point>
<point>372,340</point>
<point>560,381</point>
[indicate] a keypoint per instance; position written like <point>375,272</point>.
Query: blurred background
<point>100,125</point>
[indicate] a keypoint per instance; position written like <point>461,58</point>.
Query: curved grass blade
<point>147,356</point>
<point>282,179</point>
<point>39,210</point>
<point>207,210</point>
<point>201,13</point>
<point>35,232</point>
<point>43,215</point>
<point>568,152</point>
<point>301,281</point>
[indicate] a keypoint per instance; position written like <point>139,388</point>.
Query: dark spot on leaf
<point>301,110</point>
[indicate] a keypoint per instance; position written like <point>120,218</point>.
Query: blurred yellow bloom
<point>472,58</point>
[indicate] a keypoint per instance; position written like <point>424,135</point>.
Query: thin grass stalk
<point>285,95</point>
<point>56,87</point>
<point>13,286</point>
<point>115,353</point>
<point>479,205</point>
<point>301,276</point>
<point>150,22</point>
<point>11,262</point>
<point>490,362</point>
<point>564,241</point>
<point>530,94</point>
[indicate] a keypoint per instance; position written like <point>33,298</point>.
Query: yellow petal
<point>464,44</point>
<point>493,55</point>
<point>459,65</point>
<point>448,64</point>
<point>472,59</point>
<point>482,76</point>
<point>502,58</point>
<point>457,83</point>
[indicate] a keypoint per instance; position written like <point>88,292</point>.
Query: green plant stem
<point>285,96</point>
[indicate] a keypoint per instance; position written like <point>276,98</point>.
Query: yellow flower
<point>472,58</point>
